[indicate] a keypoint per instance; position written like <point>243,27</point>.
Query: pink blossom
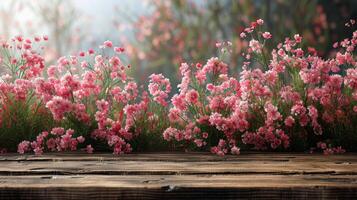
<point>23,147</point>
<point>58,107</point>
<point>260,21</point>
<point>235,150</point>
<point>179,101</point>
<point>192,97</point>
<point>80,139</point>
<point>313,113</point>
<point>272,113</point>
<point>51,144</point>
<point>170,132</point>
<point>266,35</point>
<point>91,51</point>
<point>174,115</point>
<point>119,49</point>
<point>159,88</point>
<point>255,46</point>
<point>102,105</point>
<point>215,66</point>
<point>297,38</point>
<point>108,44</point>
<point>298,109</point>
<point>38,151</point>
<point>89,149</point>
<point>289,121</point>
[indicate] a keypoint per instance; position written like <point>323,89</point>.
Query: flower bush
<point>285,98</point>
<point>22,114</point>
<point>90,93</point>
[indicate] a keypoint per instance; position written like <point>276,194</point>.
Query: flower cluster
<point>208,106</point>
<point>90,93</point>
<point>328,150</point>
<point>21,113</point>
<point>159,88</point>
<point>281,98</point>
<point>94,90</point>
<point>58,139</point>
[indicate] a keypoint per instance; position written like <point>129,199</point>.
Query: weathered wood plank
<point>180,181</point>
<point>162,168</point>
<point>173,187</point>
<point>177,175</point>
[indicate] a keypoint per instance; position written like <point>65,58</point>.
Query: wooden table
<point>178,176</point>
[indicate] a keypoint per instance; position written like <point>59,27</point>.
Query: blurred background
<point>160,34</point>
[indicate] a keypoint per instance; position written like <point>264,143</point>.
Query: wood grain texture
<point>178,176</point>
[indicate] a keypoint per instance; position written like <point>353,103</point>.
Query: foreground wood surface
<point>178,176</point>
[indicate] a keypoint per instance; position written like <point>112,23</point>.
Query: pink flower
<point>51,71</point>
<point>38,151</point>
<point>339,149</point>
<point>289,121</point>
<point>298,109</point>
<point>304,120</point>
<point>80,139</point>
<point>91,51</point>
<point>255,46</point>
<point>179,102</point>
<point>328,151</point>
<point>130,110</point>
<point>82,54</point>
<point>119,49</point>
<point>178,135</point>
<point>51,144</point>
<point>58,107</point>
<point>89,149</point>
<point>297,38</point>
<point>159,88</point>
<point>192,97</point>
<point>131,90</point>
<point>313,113</point>
<point>198,142</point>
<point>174,115</point>
<point>321,145</point>
<point>102,105</point>
<point>335,81</point>
<point>215,66</point>
<point>266,35</point>
<point>57,131</point>
<point>260,21</point>
<point>235,150</point>
<point>217,103</point>
<point>170,133</point>
<point>108,44</point>
<point>115,61</point>
<point>23,147</point>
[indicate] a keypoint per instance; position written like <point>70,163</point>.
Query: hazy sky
<point>103,12</point>
<point>98,15</point>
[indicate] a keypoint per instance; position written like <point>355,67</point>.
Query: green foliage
<point>22,120</point>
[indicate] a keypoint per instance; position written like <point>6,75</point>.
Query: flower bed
<point>286,98</point>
